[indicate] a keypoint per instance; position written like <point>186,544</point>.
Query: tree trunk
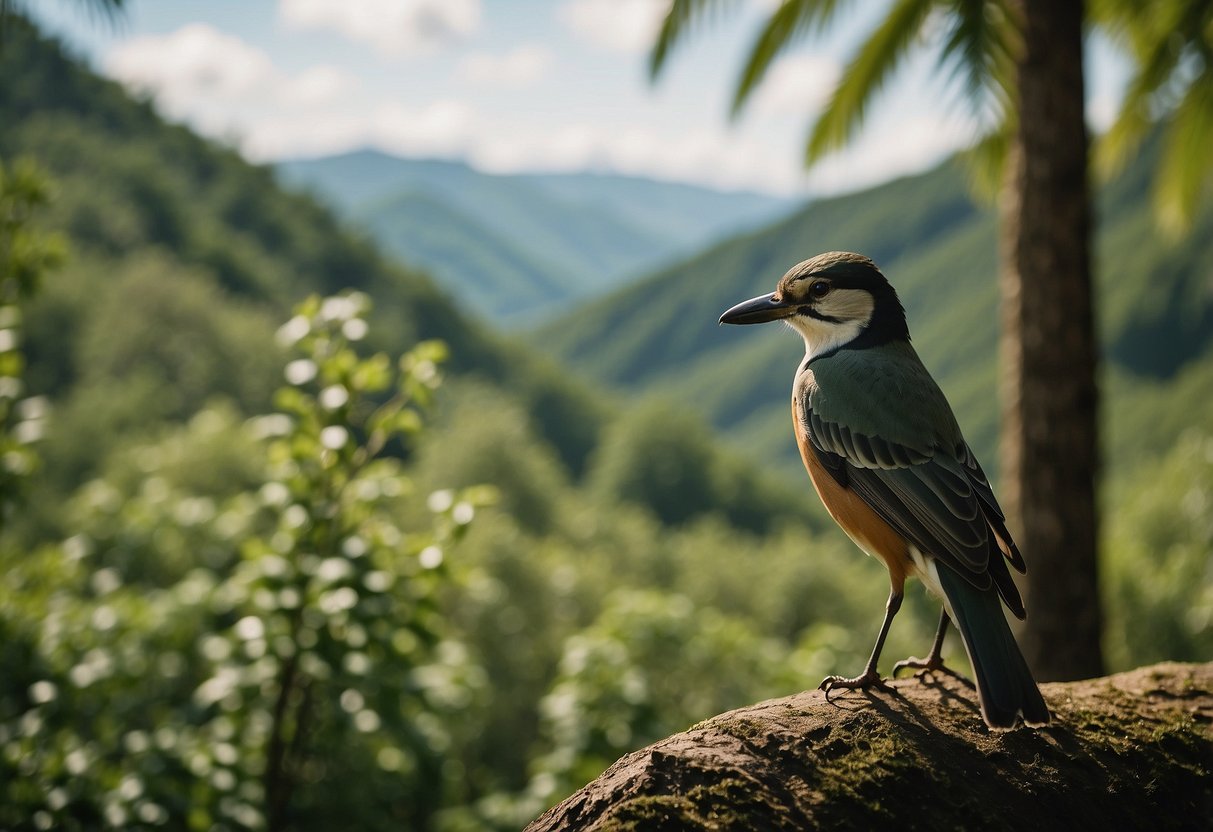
<point>1050,441</point>
<point>1131,751</point>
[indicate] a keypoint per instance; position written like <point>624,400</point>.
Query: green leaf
<point>791,20</point>
<point>875,61</point>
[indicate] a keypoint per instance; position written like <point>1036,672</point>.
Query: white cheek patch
<point>851,308</point>
<point>848,305</point>
<point>823,336</point>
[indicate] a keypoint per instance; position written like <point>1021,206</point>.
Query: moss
<point>730,803</point>
<point>1120,753</point>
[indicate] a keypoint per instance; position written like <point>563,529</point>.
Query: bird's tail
<point>1005,687</point>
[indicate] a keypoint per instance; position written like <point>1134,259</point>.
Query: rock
<point>1129,751</point>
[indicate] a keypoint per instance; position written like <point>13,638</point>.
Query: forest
<point>293,537</point>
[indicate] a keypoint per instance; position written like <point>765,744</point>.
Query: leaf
<point>682,14</point>
<point>875,61</point>
<point>790,21</point>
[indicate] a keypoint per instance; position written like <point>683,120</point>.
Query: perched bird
<point>887,458</point>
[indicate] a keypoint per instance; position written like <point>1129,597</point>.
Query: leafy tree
<point>656,456</point>
<point>1022,63</point>
<point>1159,542</point>
<point>25,256</point>
<point>615,692</point>
<point>289,663</point>
<point>1171,45</point>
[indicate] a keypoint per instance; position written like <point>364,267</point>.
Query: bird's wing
<point>991,509</point>
<point>880,425</point>
<point>925,497</point>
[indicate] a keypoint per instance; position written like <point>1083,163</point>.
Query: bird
<point>887,458</point>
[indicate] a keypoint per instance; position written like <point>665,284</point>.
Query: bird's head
<point>834,300</point>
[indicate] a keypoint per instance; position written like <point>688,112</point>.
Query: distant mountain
<point>185,259</point>
<point>504,282</point>
<point>939,250</point>
<point>582,233</point>
<point>688,215</point>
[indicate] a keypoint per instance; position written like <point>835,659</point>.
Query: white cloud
<point>622,25</point>
<point>227,88</point>
<point>798,85</point>
<point>394,27</point>
<point>198,67</point>
<point>197,59</point>
<point>443,128</point>
<point>896,146</point>
<point>713,156</point>
<point>516,68</point>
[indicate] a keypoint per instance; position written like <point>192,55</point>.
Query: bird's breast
<point>860,522</point>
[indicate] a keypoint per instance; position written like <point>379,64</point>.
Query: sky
<point>526,85</point>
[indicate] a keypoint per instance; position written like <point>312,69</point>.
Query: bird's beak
<point>758,310</point>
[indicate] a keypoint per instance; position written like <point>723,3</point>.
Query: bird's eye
<point>819,289</point>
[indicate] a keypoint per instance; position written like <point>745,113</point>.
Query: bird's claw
<point>927,665</point>
<point>869,679</point>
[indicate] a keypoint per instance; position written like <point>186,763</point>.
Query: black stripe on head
<point>888,321</point>
<point>813,313</point>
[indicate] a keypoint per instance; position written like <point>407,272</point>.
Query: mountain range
<point>207,254</point>
<point>518,248</point>
<point>938,247</point>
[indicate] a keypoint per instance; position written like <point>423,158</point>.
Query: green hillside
<point>222,551</point>
<point>501,282</point>
<point>148,205</point>
<point>153,346</point>
<point>589,247</point>
<point>939,250</point>
<point>586,232</point>
<point>185,260</point>
<point>689,217</point>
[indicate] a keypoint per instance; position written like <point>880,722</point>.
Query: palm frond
<point>110,10</point>
<point>683,14</point>
<point>985,162</point>
<point>1158,56</point>
<point>791,20</point>
<point>875,60</point>
<point>981,46</point>
<point>1185,170</point>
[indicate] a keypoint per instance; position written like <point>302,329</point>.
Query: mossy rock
<point>1130,751</point>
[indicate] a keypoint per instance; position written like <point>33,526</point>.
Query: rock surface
<point>1129,751</point>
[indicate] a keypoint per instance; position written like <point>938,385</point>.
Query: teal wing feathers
<point>880,425</point>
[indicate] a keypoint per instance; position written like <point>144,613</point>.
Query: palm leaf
<point>981,46</point>
<point>682,15</point>
<point>875,60</point>
<point>110,10</point>
<point>1187,161</point>
<point>1158,56</point>
<point>791,20</point>
<point>986,160</point>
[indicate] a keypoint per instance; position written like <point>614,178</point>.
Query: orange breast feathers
<point>857,519</point>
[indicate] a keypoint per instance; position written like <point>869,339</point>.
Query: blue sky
<point>513,85</point>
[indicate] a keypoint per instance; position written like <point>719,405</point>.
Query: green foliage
<point>978,43</point>
<point>615,690</point>
<point>656,456</point>
<point>661,457</point>
<point>286,663</point>
<point>1159,581</point>
<point>209,620</point>
<point>515,248</point>
<point>1156,315</point>
<point>501,281</point>
<point>25,256</point>
<point>1171,45</point>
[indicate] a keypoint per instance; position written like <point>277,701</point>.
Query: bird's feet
<point>869,679</point>
<point>931,663</point>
